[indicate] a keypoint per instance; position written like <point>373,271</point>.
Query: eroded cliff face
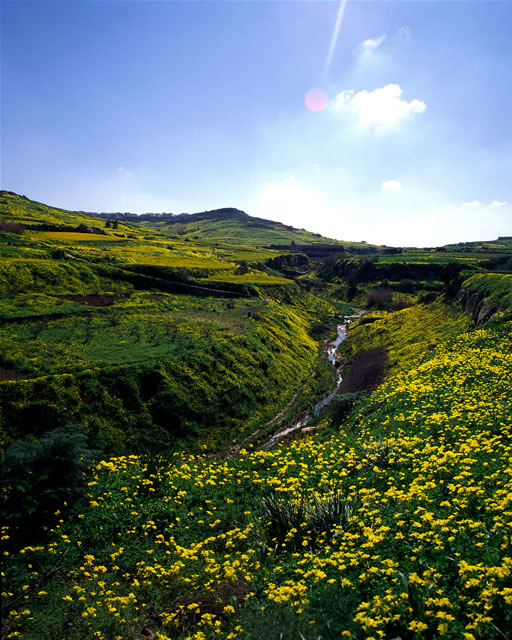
<point>476,304</point>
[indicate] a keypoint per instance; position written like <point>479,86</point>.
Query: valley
<point>155,484</point>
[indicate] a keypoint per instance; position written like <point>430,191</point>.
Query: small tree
<point>37,327</point>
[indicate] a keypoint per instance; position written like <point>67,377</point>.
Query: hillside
<point>143,375</point>
<point>205,347</point>
<point>393,525</point>
<point>237,227</point>
<point>90,309</point>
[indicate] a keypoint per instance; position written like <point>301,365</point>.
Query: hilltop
<point>233,225</point>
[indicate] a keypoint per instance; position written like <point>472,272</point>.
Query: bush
<point>41,477</point>
<point>298,523</point>
<point>171,411</point>
<point>11,227</point>
<point>319,330</point>
<point>283,520</point>
<point>406,285</point>
<point>329,511</point>
<point>366,371</point>
<point>400,303</point>
<point>380,298</point>
<point>343,405</point>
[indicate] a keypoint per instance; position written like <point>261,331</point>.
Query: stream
<point>331,356</point>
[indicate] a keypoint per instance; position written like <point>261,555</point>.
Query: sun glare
<point>316,99</point>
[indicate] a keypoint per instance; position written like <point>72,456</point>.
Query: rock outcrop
<point>476,304</point>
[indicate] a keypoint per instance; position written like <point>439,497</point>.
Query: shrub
<point>171,411</point>
<point>428,298</point>
<point>406,285</point>
<point>40,477</point>
<point>319,330</point>
<point>298,523</point>
<point>284,520</point>
<point>11,227</point>
<point>380,298</point>
<point>366,371</point>
<point>343,405</point>
<point>376,454</point>
<point>400,303</point>
<point>329,511</point>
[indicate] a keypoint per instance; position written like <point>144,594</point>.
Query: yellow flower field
<point>399,526</point>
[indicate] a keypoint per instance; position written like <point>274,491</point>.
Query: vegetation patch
<point>410,333</point>
<point>403,526</point>
<point>495,289</point>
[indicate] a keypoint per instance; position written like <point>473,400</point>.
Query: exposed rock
<point>476,304</point>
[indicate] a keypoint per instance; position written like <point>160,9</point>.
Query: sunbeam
<point>335,34</point>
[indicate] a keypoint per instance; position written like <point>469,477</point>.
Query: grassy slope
<point>63,360</point>
<point>245,230</point>
<point>410,333</point>
<point>471,257</point>
<point>129,244</point>
<point>495,288</point>
<point>163,377</point>
<point>190,549</point>
<point>501,244</point>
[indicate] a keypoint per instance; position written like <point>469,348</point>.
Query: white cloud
<point>497,203</point>
<point>382,107</point>
<point>474,203</point>
<point>391,185</point>
<point>367,47</point>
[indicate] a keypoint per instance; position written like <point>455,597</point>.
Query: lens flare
<point>335,35</point>
<point>316,99</point>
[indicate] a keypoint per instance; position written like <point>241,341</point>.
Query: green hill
<point>237,227</point>
<point>207,343</point>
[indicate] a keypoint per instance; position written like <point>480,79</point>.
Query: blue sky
<point>185,106</point>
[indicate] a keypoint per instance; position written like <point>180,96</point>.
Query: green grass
<point>241,230</point>
<point>395,527</point>
<point>423,256</point>
<point>50,258</point>
<point>56,350</point>
<point>470,256</point>
<point>229,364</point>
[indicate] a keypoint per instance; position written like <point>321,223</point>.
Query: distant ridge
<point>171,218</point>
<point>226,224</point>
<point>213,214</point>
<point>224,213</point>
